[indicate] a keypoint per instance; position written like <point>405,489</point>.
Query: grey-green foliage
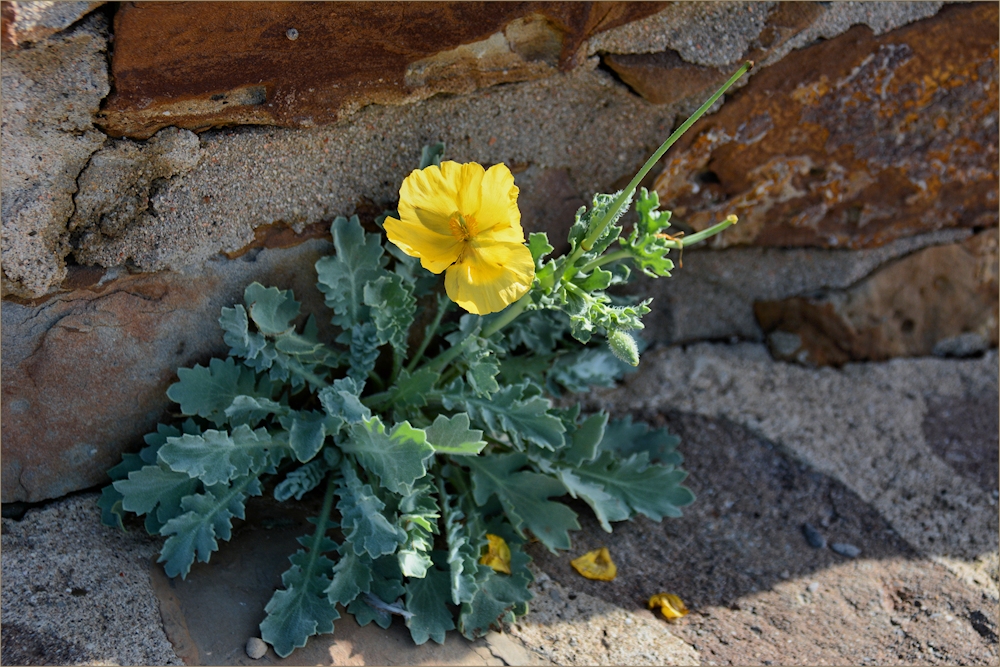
<point>419,462</point>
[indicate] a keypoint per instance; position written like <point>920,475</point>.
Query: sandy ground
<point>897,459</point>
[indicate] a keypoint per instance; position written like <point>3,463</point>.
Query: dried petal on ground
<point>671,606</point>
<point>596,564</point>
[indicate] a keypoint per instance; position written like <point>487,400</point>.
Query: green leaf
<point>250,410</point>
<point>497,595</point>
<point>652,490</point>
<point>352,575</point>
<point>598,280</point>
<point>624,438</point>
<point>110,502</point>
<point>464,538</point>
<point>303,608</point>
<point>607,507</point>
<point>431,154</point>
<point>363,350</point>
<point>207,392</point>
<point>507,413</point>
<point>151,486</point>
<point>586,438</point>
<point>341,400</point>
<point>647,247</point>
<point>399,457</point>
<point>365,527</point>
<point>411,390</point>
<point>482,373</point>
<point>271,309</point>
<point>383,598</point>
<point>525,498</point>
<point>393,308</point>
<point>426,599</point>
<point>305,478</point>
<point>207,516</point>
<point>590,366</point>
<point>307,432</point>
<point>452,435</point>
<point>342,277</point>
<point>216,456</point>
<point>538,244</point>
<point>252,346</point>
<point>419,514</point>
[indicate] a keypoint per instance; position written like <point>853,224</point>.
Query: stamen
<point>463,228</point>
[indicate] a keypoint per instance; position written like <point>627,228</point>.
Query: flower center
<point>463,228</point>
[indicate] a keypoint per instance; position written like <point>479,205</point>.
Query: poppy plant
<point>463,219</point>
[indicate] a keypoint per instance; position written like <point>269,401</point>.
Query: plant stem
<point>605,259</point>
<point>507,316</point>
<point>443,306</point>
<point>588,242</point>
<point>321,527</point>
<point>605,220</point>
<point>711,231</point>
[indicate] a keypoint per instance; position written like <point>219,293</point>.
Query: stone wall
<point>158,157</point>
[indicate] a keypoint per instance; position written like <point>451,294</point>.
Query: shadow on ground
<point>759,593</point>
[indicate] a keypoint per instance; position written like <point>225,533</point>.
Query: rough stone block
<point>201,65</point>
<point>928,301</point>
<point>51,90</point>
<point>852,142</point>
<point>26,22</point>
<point>86,372</point>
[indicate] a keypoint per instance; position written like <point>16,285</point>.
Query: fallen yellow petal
<point>497,554</point>
<point>671,606</point>
<point>596,564</point>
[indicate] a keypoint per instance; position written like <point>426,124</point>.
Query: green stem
<point>373,376</point>
<point>711,231</point>
<point>605,220</point>
<point>443,306</point>
<point>321,527</point>
<point>605,259</point>
<point>507,316</point>
<point>588,242</point>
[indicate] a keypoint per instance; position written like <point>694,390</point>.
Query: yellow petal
<point>469,185</point>
<point>497,554</point>
<point>671,606</point>
<point>498,211</point>
<point>596,564</point>
<point>488,278</point>
<point>436,251</point>
<point>429,197</point>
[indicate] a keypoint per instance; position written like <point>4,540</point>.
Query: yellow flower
<point>671,606</point>
<point>464,219</point>
<point>596,564</point>
<point>497,554</point>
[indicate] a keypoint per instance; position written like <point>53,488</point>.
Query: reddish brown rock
<point>85,372</point>
<point>912,307</point>
<point>852,142</point>
<point>200,65</point>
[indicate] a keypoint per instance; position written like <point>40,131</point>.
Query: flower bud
<point>623,346</point>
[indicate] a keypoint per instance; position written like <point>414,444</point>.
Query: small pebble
<point>256,648</point>
<point>845,549</point>
<point>813,587</point>
<point>813,536</point>
<point>292,34</point>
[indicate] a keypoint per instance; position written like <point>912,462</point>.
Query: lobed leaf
<point>393,307</point>
<point>365,527</point>
<point>525,498</point>
<point>398,458</point>
<point>342,277</point>
<point>427,600</point>
<point>452,435</point>
<point>216,457</point>
<point>207,518</point>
